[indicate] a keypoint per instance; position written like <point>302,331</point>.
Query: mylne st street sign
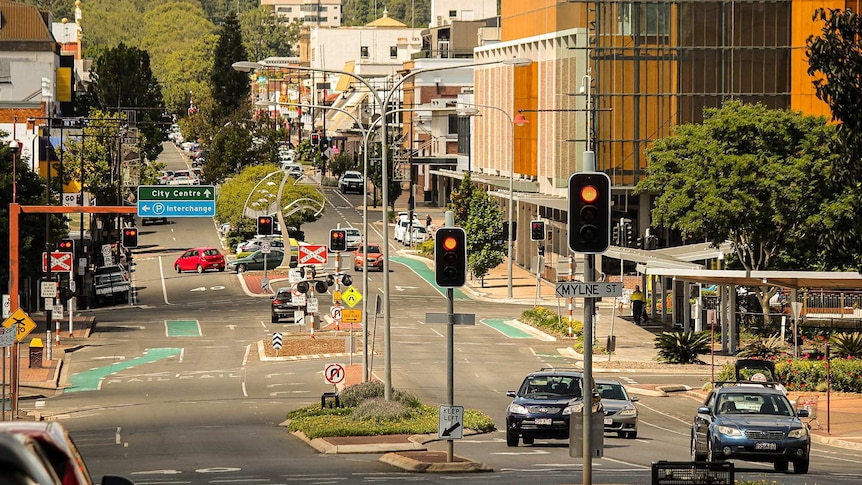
<point>577,289</point>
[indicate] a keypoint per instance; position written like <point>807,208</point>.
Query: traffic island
<point>433,462</point>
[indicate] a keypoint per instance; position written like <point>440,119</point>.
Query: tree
<point>126,82</point>
<point>375,174</point>
<point>340,164</point>
<point>100,157</point>
<point>485,250</point>
<point>229,88</point>
<point>264,35</point>
<point>748,175</point>
<point>229,151</point>
<point>460,200</point>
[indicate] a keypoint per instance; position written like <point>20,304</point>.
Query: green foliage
<point>229,88</point>
<point>682,347</point>
<point>264,35</point>
<point>485,250</point>
<point>550,322</point>
<point>410,13</point>
<point>847,345</point>
<point>356,394</point>
<point>375,173</point>
<point>340,164</point>
<point>459,200</point>
<point>765,348</point>
<point>426,248</point>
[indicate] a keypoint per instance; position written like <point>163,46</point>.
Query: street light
<point>518,121</point>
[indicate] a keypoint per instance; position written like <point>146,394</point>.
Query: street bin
<point>36,351</point>
<point>692,473</point>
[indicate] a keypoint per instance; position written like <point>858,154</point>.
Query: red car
<point>375,258</point>
<point>200,260</point>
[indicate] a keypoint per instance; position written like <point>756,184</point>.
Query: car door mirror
<point>634,399</point>
<point>510,393</point>
<point>703,410</point>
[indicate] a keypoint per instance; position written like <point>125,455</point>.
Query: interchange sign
<point>176,201</point>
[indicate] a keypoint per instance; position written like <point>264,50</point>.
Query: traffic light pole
<point>587,391</point>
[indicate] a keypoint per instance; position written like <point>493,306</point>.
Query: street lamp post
<point>519,120</point>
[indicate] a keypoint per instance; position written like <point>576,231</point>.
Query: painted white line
<point>164,286</point>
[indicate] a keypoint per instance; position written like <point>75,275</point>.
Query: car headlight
<point>729,431</point>
<point>798,433</point>
<point>517,409</point>
<point>574,408</point>
<point>629,412</point>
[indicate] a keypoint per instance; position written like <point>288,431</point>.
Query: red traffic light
<point>589,194</point>
<point>450,243</point>
<point>130,232</point>
<point>66,245</point>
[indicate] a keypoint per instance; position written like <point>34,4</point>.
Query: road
<point>171,390</point>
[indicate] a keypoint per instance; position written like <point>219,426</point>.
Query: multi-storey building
<point>325,13</point>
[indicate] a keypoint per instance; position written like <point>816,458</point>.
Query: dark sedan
<point>257,260</point>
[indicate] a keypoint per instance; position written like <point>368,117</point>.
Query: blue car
<point>751,421</point>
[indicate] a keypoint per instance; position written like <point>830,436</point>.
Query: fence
<point>808,403</point>
<point>692,473</point>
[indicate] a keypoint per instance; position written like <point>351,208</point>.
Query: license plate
<point>764,446</point>
<point>543,421</point>
<point>609,421</point>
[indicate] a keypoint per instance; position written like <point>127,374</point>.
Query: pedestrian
<point>637,300</point>
<point>428,222</point>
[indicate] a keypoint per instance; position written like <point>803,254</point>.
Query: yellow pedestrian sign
<point>351,297</point>
<point>24,322</point>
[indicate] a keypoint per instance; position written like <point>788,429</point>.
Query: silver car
<point>621,414</point>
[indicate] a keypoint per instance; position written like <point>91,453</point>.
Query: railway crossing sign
<point>61,262</point>
<point>334,373</point>
<point>312,254</point>
<point>23,321</point>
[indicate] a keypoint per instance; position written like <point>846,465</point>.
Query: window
<point>363,51</point>
<point>453,13</point>
<point>393,52</point>
<point>453,124</point>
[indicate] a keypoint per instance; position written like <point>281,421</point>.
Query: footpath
<point>838,423</point>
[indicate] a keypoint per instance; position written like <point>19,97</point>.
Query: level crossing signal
<point>130,237</point>
<point>537,230</point>
<point>450,257</point>
<point>589,212</point>
<point>338,240</point>
<point>66,245</point>
<point>264,225</point>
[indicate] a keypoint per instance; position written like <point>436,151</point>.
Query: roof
<point>785,279</point>
<point>23,23</point>
<point>386,21</point>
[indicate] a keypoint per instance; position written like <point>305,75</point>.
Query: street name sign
<point>176,201</point>
<point>577,289</point>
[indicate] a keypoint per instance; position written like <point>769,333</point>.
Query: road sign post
<point>176,201</point>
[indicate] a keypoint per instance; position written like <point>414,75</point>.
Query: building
<point>309,12</point>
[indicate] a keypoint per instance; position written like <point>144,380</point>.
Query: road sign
<point>335,312</point>
<point>351,297</point>
<point>334,373</point>
<point>71,199</point>
<point>311,305</point>
<point>276,340</point>
<point>61,262</point>
<point>264,283</point>
<point>176,201</point>
<point>48,289</point>
<point>312,254</point>
<point>298,317</point>
<point>451,423</point>
<point>577,289</point>
<point>349,315</point>
<point>7,336</point>
<point>23,321</point>
<point>293,276</point>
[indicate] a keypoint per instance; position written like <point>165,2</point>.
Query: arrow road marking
<point>160,472</point>
<point>448,431</point>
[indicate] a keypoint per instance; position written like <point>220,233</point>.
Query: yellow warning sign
<point>351,297</point>
<point>24,322</point>
<point>351,316</point>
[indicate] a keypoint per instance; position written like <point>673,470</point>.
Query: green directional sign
<point>176,192</point>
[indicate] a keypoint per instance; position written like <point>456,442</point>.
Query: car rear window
<point>211,252</point>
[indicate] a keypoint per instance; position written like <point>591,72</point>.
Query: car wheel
<point>200,269</point>
<point>781,466</point>
<point>800,466</point>
<point>710,453</point>
<point>274,318</point>
<point>695,456</point>
<point>221,270</point>
<point>511,438</point>
<point>528,440</point>
<point>240,268</point>
<point>177,267</point>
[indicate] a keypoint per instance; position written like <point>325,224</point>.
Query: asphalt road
<point>170,391</point>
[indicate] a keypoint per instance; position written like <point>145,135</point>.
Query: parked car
<point>257,260</point>
<point>111,283</point>
<point>294,170</point>
<point>154,220</point>
<point>184,180</point>
<point>542,405</point>
<point>198,174</point>
<point>375,258</point>
<point>200,260</point>
<point>621,414</point>
<point>354,238</point>
<point>753,423</point>
<point>351,181</point>
<point>166,177</point>
<point>401,228</point>
<point>65,458</point>
<point>417,236</point>
<point>283,305</point>
<point>23,461</point>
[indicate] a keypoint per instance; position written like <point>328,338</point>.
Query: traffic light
<point>615,236</point>
<point>315,141</point>
<point>589,212</point>
<point>130,237</point>
<point>537,230</point>
<point>264,225</point>
<point>337,240</point>
<point>66,246</point>
<point>630,236</point>
<point>450,257</point>
<point>504,236</point>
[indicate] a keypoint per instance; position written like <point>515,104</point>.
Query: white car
<point>418,236</point>
<point>354,238</point>
<point>351,181</point>
<point>401,228</point>
<point>166,177</point>
<point>184,180</point>
<point>294,170</point>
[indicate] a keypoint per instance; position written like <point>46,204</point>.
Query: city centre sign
<point>176,201</point>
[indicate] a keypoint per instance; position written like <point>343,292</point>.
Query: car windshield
<point>754,403</point>
<point>371,249</point>
<point>551,387</point>
<point>612,391</point>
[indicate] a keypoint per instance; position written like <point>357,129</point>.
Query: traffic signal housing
<point>537,230</point>
<point>338,240</point>
<point>66,245</point>
<point>505,234</point>
<point>450,257</point>
<point>264,225</point>
<point>130,237</point>
<point>589,212</point>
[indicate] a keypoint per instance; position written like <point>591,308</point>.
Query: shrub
<point>765,348</point>
<point>379,409</point>
<point>426,248</point>
<point>541,317</point>
<point>847,345</point>
<point>682,347</point>
<point>354,395</point>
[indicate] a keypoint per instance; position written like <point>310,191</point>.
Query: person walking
<point>638,300</point>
